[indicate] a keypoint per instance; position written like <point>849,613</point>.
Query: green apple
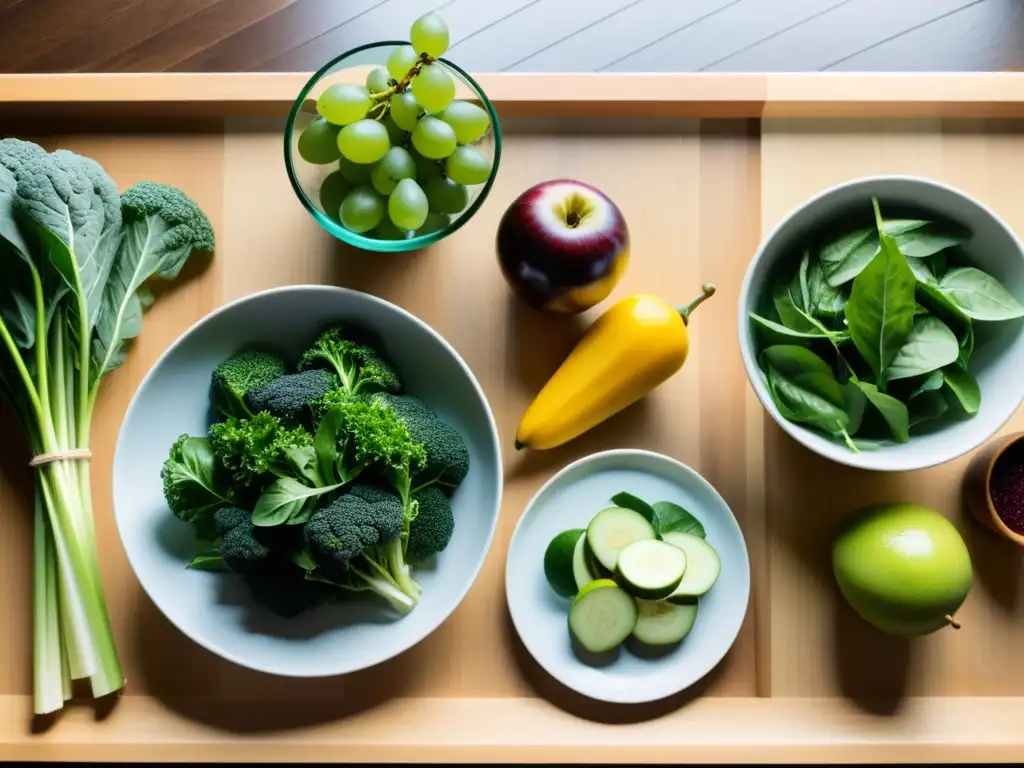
<point>904,568</point>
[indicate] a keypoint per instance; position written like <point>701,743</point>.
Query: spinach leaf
<point>938,264</point>
<point>286,501</point>
<point>804,388</point>
<point>824,300</point>
<point>208,558</point>
<point>845,257</point>
<point>966,346</point>
<point>979,295</point>
<point>856,404</point>
<point>930,346</point>
<point>880,312</point>
<point>780,334</point>
<point>922,270</point>
<point>671,517</point>
<point>325,444</point>
<point>928,406</point>
<point>893,411</point>
<point>964,386</point>
<point>194,483</point>
<point>785,305</point>
<point>629,501</point>
<point>933,383</point>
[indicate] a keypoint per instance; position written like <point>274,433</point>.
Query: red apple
<point>563,245</point>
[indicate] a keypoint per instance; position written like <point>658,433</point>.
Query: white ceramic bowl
<point>569,500</point>
<point>215,609</point>
<point>998,360</point>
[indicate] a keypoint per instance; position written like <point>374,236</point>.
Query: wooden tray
<point>701,166</point>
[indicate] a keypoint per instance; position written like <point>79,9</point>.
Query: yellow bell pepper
<point>638,343</point>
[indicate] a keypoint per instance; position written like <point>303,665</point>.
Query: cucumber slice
<point>651,569</point>
<point>662,623</point>
<point>582,573</point>
<point>614,529</point>
<point>602,616</point>
<point>599,571</point>
<point>702,566</point>
<point>559,565</point>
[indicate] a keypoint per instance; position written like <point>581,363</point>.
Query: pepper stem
<point>687,309</point>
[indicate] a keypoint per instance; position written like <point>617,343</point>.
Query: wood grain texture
<point>805,681</point>
<point>519,35</point>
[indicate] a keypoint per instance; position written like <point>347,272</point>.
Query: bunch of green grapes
<point>403,144</point>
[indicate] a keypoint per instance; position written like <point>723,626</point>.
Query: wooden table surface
<point>518,35</point>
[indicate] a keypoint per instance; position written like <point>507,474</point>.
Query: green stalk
<point>49,658</point>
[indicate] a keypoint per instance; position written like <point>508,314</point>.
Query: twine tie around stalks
<point>78,454</point>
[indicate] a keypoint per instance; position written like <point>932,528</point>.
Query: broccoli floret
<point>433,526</point>
<point>291,397</point>
<point>447,458</point>
<point>360,368</point>
<point>227,518</point>
<point>352,540</point>
<point>251,449</point>
<point>244,371</point>
<point>183,226</point>
<point>241,549</point>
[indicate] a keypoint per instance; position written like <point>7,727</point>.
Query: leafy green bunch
<point>77,258</point>
<point>871,337</point>
<point>331,479</point>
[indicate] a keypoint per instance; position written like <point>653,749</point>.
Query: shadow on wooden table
<point>197,685</point>
<point>997,564</point>
<point>579,705</point>
<point>871,669</point>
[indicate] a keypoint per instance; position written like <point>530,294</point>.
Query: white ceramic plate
<point>569,500</point>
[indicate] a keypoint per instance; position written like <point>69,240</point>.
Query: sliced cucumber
<point>614,529</point>
<point>663,623</point>
<point>702,566</point>
<point>599,571</point>
<point>559,562</point>
<point>651,569</point>
<point>602,616</point>
<point>581,570</point>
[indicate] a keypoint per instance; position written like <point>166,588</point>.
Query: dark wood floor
<point>518,35</point>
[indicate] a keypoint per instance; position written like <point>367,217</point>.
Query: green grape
<point>361,210</point>
<point>387,230</point>
<point>468,121</point>
<point>365,141</point>
<point>426,169</point>
<point>433,87</point>
<point>467,166</point>
<point>395,134</point>
<point>319,142</point>
<point>434,222</point>
<point>429,35</point>
<point>401,60</point>
<point>433,138</point>
<point>407,205</point>
<point>333,190</point>
<point>378,81</point>
<point>343,103</point>
<point>445,195</point>
<point>357,174</point>
<point>405,110</point>
<point>396,165</point>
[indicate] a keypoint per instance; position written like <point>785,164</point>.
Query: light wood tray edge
<point>709,730</point>
<point>636,94</point>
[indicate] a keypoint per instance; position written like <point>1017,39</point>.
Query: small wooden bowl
<point>977,486</point>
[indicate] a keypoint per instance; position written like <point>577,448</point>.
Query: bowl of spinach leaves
<point>881,323</point>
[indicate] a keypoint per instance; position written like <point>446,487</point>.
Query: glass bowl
<point>306,178</point>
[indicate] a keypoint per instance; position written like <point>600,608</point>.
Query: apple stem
<point>952,621</point>
<point>687,309</point>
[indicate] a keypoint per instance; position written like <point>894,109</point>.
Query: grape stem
<point>383,99</point>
